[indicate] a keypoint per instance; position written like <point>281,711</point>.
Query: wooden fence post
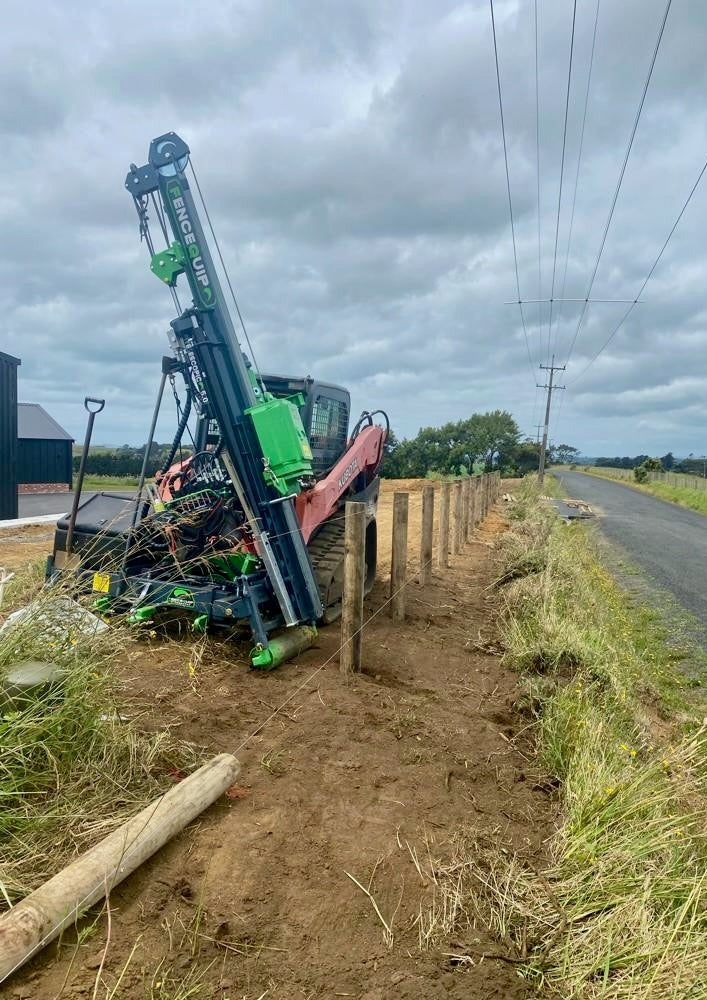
<point>458,508</point>
<point>428,514</point>
<point>443,540</point>
<point>466,490</point>
<point>352,600</point>
<point>398,562</point>
<point>472,505</point>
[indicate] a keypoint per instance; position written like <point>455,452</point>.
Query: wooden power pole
<point>552,368</point>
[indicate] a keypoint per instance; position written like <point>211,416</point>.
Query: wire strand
<point>579,157</point>
<point>228,279</point>
<point>508,188</point>
<point>562,175</point>
<point>537,164</point>
<point>621,177</point>
<point>648,277</point>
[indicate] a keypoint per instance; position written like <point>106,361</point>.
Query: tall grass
<point>71,769</point>
<point>621,910</point>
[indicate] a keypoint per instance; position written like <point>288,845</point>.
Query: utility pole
<point>552,368</point>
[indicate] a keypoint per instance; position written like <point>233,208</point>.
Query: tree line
<point>125,460</point>
<point>486,441</point>
<point>483,441</point>
<point>692,465</point>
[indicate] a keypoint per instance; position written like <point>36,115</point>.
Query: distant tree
<point>563,454</point>
<point>520,459</point>
<point>453,448</point>
<point>668,461</point>
<point>642,471</point>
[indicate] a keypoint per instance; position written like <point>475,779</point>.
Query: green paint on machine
<point>181,597</point>
<point>284,442</point>
<point>168,264</point>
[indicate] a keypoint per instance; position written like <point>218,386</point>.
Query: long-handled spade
<point>88,402</point>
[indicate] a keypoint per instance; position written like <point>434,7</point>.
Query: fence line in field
<point>680,479</point>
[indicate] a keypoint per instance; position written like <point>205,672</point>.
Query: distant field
<point>98,483</point>
<point>95,449</point>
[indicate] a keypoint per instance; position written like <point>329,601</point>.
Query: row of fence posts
<point>463,505</point>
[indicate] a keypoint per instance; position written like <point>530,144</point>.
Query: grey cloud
<point>351,157</point>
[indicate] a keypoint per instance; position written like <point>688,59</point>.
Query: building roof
<point>33,421</point>
<point>8,359</point>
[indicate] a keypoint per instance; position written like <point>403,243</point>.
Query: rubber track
<point>327,554</point>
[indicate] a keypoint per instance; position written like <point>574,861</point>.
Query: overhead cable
<point>581,149</point>
<point>508,187</point>
<point>562,174</point>
<point>648,277</point>
<point>620,179</point>
<point>537,163</point>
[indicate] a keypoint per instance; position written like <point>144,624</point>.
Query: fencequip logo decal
<point>180,213</point>
<point>181,597</point>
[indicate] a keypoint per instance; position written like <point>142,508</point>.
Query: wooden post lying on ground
<point>399,556</point>
<point>56,905</point>
<point>458,507</point>
<point>466,492</point>
<point>352,600</point>
<point>428,514</point>
<point>443,540</point>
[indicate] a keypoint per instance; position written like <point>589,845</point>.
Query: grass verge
<point>620,912</point>
<point>71,768</point>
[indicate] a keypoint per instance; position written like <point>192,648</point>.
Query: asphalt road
<point>33,504</point>
<point>667,541</point>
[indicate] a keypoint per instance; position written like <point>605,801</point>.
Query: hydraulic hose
<point>180,431</point>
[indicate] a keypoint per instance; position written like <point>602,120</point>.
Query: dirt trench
<point>257,900</point>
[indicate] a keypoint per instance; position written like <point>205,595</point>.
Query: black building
<point>43,451</point>
<point>8,436</point>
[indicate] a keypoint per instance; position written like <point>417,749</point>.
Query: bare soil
<point>253,901</point>
<point>20,546</point>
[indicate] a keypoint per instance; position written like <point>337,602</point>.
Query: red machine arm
<point>362,457</point>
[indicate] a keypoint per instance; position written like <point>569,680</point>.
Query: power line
<point>581,149</point>
<point>508,185</point>
<point>562,174</point>
<point>648,277</point>
<point>537,162</point>
<point>621,177</point>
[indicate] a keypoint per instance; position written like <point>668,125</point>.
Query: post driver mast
<point>262,444</point>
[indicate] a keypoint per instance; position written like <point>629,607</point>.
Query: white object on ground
<point>20,522</point>
<point>5,577</point>
<point>56,616</point>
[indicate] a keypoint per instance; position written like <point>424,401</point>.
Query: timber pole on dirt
<point>458,513</point>
<point>428,515</point>
<point>466,501</point>
<point>472,505</point>
<point>41,917</point>
<point>443,540</point>
<point>399,555</point>
<point>352,599</point>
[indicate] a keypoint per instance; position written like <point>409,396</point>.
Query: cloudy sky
<point>350,153</point>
